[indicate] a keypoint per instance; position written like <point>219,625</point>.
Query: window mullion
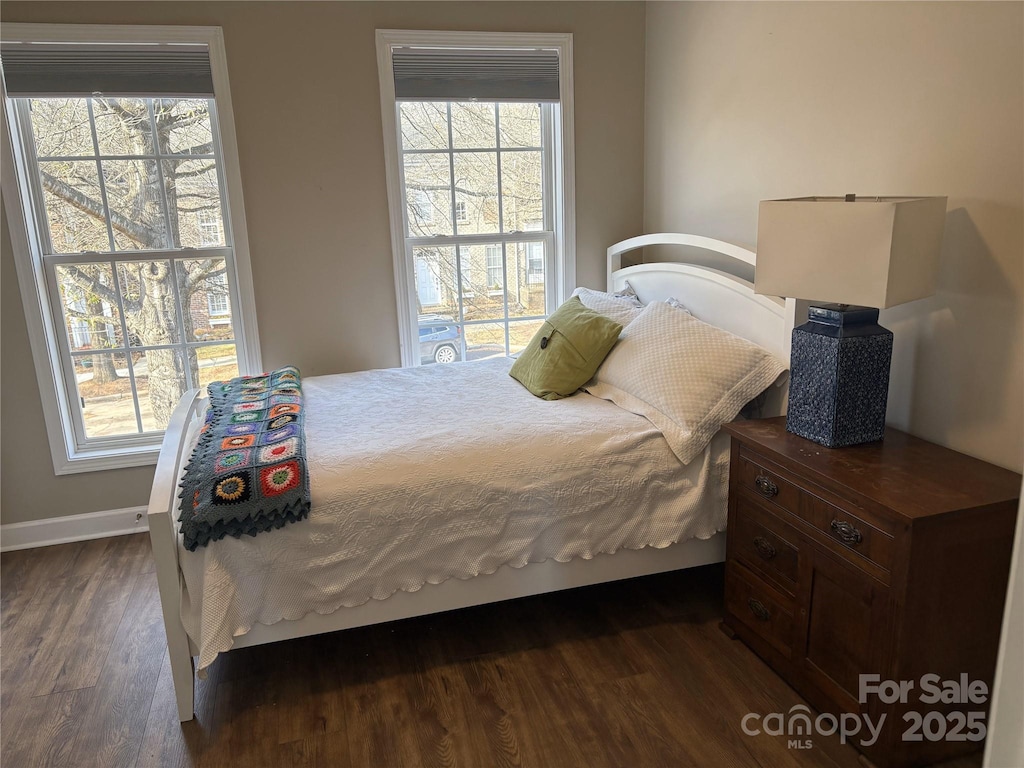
<point>451,170</point>
<point>485,238</point>
<point>501,223</point>
<point>80,158</point>
<point>458,293</point>
<point>126,343</point>
<point>89,257</point>
<point>455,231</point>
<point>455,150</point>
<point>99,174</point>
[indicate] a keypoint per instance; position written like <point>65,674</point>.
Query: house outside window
<point>122,183</point>
<point>498,166</point>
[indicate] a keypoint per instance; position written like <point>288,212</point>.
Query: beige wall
<point>311,149</point>
<point>747,101</point>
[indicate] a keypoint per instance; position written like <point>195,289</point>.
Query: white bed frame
<point>715,297</point>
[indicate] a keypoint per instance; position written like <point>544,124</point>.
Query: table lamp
<point>864,253</point>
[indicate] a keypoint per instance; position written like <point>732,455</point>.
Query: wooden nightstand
<point>888,558</point>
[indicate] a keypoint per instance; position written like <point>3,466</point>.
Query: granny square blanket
<point>247,473</point>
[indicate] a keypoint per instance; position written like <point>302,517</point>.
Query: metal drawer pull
<point>766,486</point>
<point>758,609</point>
<point>764,547</point>
<point>846,532</point>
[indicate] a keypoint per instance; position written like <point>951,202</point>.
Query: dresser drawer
<point>852,532</point>
<point>764,543</point>
<point>765,611</point>
<point>756,477</point>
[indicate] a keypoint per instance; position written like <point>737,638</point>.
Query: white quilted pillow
<point>620,309</point>
<point>686,377</point>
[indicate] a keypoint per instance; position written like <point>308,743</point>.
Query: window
<point>217,303</point>
<point>208,224</point>
<point>422,208</point>
<point>494,154</point>
<point>535,264</point>
<point>494,270</point>
<point>122,186</point>
<point>466,268</point>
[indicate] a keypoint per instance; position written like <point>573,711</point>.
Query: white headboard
<point>716,297</point>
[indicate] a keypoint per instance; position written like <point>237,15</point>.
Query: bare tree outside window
<point>121,177</point>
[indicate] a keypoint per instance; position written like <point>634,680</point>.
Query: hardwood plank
<point>317,751</point>
<point>76,658</point>
<point>498,713</point>
<point>377,718</point>
<point>635,705</point>
<point>113,729</point>
<point>92,559</point>
<point>595,648</point>
<point>129,556</point>
<point>47,730</point>
<point>64,634</point>
<point>568,709</point>
<point>243,730</point>
<point>166,742</point>
<point>447,734</point>
<point>30,642</point>
<point>689,682</point>
<point>310,686</point>
<point>24,572</point>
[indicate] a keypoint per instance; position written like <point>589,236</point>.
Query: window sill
<point>99,460</point>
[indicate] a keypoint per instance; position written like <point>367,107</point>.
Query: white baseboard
<point>61,530</point>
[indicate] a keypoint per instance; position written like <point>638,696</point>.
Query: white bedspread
<point>425,474</point>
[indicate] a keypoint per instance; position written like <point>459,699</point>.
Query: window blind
<point>44,69</point>
<point>460,74</point>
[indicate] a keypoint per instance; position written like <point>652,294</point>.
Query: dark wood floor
<point>629,674</point>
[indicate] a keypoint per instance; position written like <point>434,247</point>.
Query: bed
<point>413,519</point>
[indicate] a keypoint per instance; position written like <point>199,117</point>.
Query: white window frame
<point>42,305</point>
<point>562,264</point>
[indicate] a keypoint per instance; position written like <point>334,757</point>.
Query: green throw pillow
<point>566,352</point>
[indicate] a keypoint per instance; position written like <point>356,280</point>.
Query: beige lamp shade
<point>873,251</point>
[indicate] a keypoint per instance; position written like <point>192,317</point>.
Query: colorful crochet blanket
<point>247,473</point>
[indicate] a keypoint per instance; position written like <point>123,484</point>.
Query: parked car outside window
<point>439,339</point>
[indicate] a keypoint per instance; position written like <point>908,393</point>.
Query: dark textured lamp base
<point>839,376</point>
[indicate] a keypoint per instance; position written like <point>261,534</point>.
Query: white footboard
<point>162,509</point>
